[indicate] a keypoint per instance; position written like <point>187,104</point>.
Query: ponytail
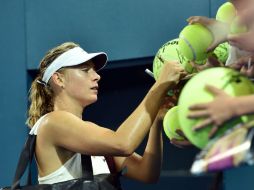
<point>41,98</point>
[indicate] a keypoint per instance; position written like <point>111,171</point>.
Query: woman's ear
<point>58,79</point>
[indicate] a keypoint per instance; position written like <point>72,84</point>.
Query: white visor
<point>72,57</point>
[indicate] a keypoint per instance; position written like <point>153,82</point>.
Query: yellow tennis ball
<point>193,42</point>
<point>171,124</point>
<point>170,52</point>
<point>226,13</point>
<point>194,92</point>
<point>236,27</point>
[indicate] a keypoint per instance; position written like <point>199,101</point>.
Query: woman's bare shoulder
<point>58,120</point>
<point>59,116</point>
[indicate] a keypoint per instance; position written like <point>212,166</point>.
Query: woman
<point>66,84</point>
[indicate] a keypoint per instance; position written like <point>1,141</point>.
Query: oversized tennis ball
<point>170,52</point>
<point>236,27</point>
<point>193,42</point>
<point>171,124</point>
<point>226,13</point>
<point>231,81</point>
<point>221,52</point>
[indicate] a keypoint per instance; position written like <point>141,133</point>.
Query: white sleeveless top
<point>71,169</point>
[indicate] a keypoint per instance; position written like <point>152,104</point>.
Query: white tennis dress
<point>72,168</point>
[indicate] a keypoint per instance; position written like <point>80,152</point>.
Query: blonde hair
<point>41,96</point>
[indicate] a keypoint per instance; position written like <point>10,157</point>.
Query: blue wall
<point>13,90</point>
<point>130,32</point>
<point>124,29</point>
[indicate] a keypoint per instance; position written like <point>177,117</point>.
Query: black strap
<point>87,168</point>
<point>111,164</point>
<point>25,158</point>
<point>31,156</point>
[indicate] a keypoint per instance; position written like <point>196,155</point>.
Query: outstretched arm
<point>146,168</point>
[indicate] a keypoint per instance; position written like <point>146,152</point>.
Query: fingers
<point>214,90</point>
<point>213,131</point>
<point>211,62</point>
<point>181,134</point>
<point>183,74</point>
<point>214,62</point>
<point>192,19</point>
<point>244,65</point>
<point>198,114</point>
<point>198,106</point>
<point>188,76</point>
<point>244,69</point>
<point>250,72</point>
<point>180,143</point>
<point>197,66</point>
<point>199,19</point>
<point>203,124</point>
<point>238,64</point>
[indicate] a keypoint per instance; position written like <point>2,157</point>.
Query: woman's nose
<point>96,76</point>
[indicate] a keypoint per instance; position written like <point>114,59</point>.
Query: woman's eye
<point>85,69</point>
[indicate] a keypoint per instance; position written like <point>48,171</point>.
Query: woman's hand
<point>211,62</point>
<point>220,110</point>
<point>219,29</point>
<point>171,71</point>
<point>180,143</point>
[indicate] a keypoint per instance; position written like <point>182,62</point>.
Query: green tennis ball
<point>231,81</point>
<point>169,52</point>
<point>193,42</point>
<point>171,124</point>
<point>226,13</point>
<point>236,27</point>
<point>221,52</point>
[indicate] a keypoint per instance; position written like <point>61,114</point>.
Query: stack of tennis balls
<point>171,124</point>
<point>194,92</point>
<point>170,52</point>
<point>194,39</point>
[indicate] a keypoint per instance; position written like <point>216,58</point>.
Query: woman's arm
<point>145,168</point>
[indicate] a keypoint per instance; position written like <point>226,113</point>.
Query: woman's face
<point>81,83</point>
